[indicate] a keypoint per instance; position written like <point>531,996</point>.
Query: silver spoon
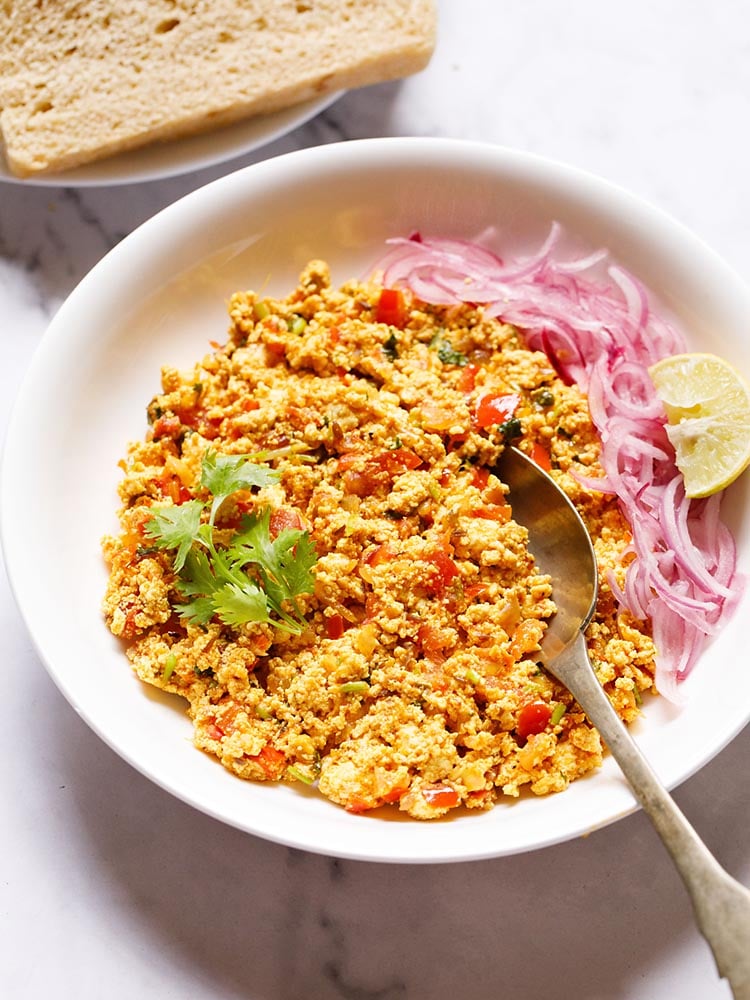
<point>561,545</point>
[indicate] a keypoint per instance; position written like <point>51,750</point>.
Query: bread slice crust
<point>84,79</point>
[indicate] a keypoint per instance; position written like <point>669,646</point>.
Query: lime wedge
<point>707,403</point>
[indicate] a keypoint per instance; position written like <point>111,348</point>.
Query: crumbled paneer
<point>415,680</point>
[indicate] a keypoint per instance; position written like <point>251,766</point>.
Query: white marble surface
<point>111,888</point>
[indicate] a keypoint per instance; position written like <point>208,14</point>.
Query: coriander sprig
<point>251,578</point>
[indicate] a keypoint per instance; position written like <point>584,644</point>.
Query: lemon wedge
<point>707,403</point>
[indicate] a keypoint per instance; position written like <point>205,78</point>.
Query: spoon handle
<point>721,904</point>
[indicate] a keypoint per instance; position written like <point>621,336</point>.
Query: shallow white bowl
<point>159,297</point>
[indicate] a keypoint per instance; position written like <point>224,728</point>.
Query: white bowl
<point>159,297</point>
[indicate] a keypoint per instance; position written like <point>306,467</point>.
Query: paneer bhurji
<point>315,553</point>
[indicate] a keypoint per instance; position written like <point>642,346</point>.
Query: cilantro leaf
<point>223,475</point>
<point>297,567</point>
<point>197,576</point>
<point>199,611</point>
<point>253,544</point>
<point>447,352</point>
<point>237,605</point>
<point>176,528</point>
<point>284,563</point>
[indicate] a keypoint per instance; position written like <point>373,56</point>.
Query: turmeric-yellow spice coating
<point>414,679</point>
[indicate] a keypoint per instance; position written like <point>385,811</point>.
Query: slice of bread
<point>83,79</point>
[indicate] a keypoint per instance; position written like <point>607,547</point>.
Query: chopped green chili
<point>354,687</point>
<point>300,775</point>
<point>557,713</point>
<point>169,666</point>
<point>296,324</point>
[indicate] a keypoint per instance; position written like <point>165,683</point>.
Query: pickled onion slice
<point>594,321</point>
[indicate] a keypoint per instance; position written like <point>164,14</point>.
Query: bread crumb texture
<point>84,79</point>
<point>415,682</point>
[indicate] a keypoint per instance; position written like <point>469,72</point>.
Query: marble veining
<point>112,888</point>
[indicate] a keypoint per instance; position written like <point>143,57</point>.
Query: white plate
<point>159,297</point>
<point>180,156</point>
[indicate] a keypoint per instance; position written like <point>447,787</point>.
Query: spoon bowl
<point>561,546</point>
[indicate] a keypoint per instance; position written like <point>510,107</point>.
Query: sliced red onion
<point>597,327</point>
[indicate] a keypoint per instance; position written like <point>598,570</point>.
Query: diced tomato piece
<point>359,805</point>
<point>533,718</point>
<point>358,484</point>
<point>408,459</point>
<point>467,378</point>
<point>276,348</point>
<point>188,415</point>
<point>495,408</point>
<point>440,796</point>
<point>383,553</point>
<point>167,427</point>
<point>476,590</point>
<point>196,419</point>
<point>499,512</point>
<point>243,501</point>
<point>249,404</point>
<point>184,494</point>
<point>209,427</point>
<point>142,520</point>
<point>226,719</point>
<point>481,795</point>
<point>213,731</point>
<point>527,636</point>
<point>395,794</point>
<point>391,308</point>
<point>455,441</point>
<point>348,459</point>
<point>334,626</point>
<point>480,477</point>
<point>434,416</point>
<point>283,519</point>
<point>433,642</point>
<point>271,760</point>
<point>172,486</point>
<point>446,569</point>
<point>541,456</point>
<point>397,460</point>
<point>129,628</point>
